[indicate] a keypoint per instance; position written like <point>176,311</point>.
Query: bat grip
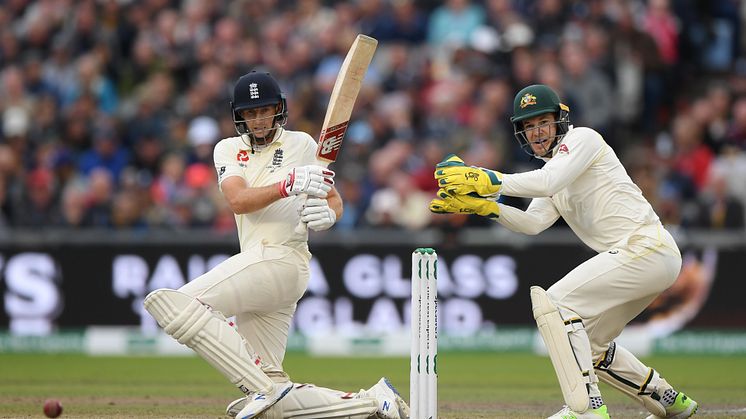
<point>301,227</point>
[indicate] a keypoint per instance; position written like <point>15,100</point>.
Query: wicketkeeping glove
<point>317,214</point>
<point>459,179</point>
<point>312,180</point>
<point>464,204</point>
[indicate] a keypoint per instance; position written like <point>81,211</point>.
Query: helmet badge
<point>254,91</point>
<point>528,99</point>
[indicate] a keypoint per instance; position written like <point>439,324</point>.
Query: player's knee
<point>603,358</point>
<point>561,303</point>
<point>572,320</point>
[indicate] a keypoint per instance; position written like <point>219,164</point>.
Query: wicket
<point>423,373</point>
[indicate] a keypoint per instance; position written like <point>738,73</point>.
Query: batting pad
<point>210,336</point>
<point>553,332</point>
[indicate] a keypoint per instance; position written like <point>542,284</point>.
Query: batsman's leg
<point>208,333</point>
<point>569,351</point>
<point>307,401</point>
<point>622,370</point>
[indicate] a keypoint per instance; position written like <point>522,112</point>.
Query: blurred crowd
<point>111,108</point>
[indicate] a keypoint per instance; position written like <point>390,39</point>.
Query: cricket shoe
<point>256,403</point>
<point>682,408</point>
<point>235,406</point>
<point>390,403</point>
<point>567,413</point>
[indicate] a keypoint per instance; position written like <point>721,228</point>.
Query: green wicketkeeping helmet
<point>536,100</point>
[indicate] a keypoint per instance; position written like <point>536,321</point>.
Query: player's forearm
<point>253,199</point>
<point>523,222</point>
<point>534,184</point>
<point>335,203</point>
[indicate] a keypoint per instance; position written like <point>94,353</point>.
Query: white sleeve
<point>539,216</point>
<point>226,162</point>
<point>310,151</point>
<point>576,153</point>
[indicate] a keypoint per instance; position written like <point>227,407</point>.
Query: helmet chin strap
<point>548,152</point>
<point>252,140</point>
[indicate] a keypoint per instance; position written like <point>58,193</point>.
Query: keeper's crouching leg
<point>622,370</point>
<point>569,350</point>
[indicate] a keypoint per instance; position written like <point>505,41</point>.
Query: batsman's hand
<point>317,214</point>
<point>459,179</point>
<point>464,204</point>
<point>312,180</point>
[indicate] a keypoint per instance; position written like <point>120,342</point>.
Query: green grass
<point>471,385</point>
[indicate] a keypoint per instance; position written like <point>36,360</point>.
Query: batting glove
<point>459,179</point>
<point>317,214</point>
<point>464,204</point>
<point>312,180</point>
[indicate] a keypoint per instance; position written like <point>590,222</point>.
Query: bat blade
<point>342,100</point>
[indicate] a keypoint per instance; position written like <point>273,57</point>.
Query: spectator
<point>160,72</point>
<point>203,134</point>
<point>453,23</point>
<point>99,199</point>
<point>719,210</point>
<point>692,157</point>
<point>39,205</point>
<point>107,152</point>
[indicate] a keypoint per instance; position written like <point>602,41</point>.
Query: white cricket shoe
<point>567,413</point>
<point>235,406</point>
<point>256,403</point>
<point>390,403</point>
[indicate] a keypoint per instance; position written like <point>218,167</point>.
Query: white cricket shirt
<point>276,223</point>
<point>585,183</point>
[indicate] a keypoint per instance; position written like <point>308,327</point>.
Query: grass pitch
<point>471,385</point>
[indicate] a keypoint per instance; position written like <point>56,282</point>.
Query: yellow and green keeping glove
<point>464,204</point>
<point>459,179</point>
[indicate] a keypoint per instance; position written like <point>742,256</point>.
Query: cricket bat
<point>343,97</point>
<point>345,91</point>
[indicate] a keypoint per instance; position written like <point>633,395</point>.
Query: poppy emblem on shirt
<point>563,149</point>
<point>243,156</point>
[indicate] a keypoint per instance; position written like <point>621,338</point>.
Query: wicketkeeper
<point>265,174</point>
<point>579,316</point>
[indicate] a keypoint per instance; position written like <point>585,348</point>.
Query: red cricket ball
<point>52,408</point>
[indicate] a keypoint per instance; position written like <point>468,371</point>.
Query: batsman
<point>265,174</point>
<point>579,316</point>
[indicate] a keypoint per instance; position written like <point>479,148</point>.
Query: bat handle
<point>301,227</point>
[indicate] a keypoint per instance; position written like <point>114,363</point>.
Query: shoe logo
<point>260,396</point>
<point>386,406</point>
